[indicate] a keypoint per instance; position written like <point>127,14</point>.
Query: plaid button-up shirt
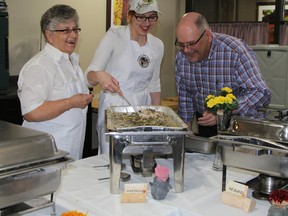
<point>231,63</point>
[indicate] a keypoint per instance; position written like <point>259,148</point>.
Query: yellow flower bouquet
<point>222,105</point>
<point>225,101</point>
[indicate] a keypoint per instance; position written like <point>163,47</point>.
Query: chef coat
<point>137,69</point>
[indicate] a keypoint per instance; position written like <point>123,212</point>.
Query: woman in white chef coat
<point>127,61</point>
<point>51,86</point>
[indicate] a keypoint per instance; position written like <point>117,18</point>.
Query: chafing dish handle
<point>150,143</point>
<point>227,137</point>
<point>35,172</point>
<point>254,151</point>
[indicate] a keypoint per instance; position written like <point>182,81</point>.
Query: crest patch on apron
<point>143,61</point>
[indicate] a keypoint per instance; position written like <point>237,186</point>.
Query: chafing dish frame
<point>122,143</point>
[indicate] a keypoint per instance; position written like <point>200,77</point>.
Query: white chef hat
<point>143,6</point>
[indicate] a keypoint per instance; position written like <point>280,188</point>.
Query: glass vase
<point>217,163</point>
<point>223,119</point>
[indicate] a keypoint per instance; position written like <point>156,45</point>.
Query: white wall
<point>24,28</point>
<point>24,32</point>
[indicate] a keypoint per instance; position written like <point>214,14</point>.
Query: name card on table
<point>235,196</point>
<point>237,188</point>
<point>134,193</point>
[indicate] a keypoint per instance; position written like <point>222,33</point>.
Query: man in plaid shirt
<point>207,62</point>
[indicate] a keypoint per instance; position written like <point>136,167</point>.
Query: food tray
<point>113,126</point>
<point>254,154</point>
<point>199,144</point>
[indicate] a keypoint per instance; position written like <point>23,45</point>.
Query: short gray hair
<point>58,14</point>
<point>201,22</point>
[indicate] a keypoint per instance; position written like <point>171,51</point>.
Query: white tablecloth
<point>81,190</point>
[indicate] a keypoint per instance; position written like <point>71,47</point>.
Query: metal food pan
<point>25,185</point>
<point>111,126</point>
<point>254,154</point>
<point>199,144</point>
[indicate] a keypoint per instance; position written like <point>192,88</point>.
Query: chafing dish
<point>255,154</point>
<point>30,166</point>
<point>258,144</point>
<point>149,140</point>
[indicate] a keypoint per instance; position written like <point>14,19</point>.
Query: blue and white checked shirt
<point>231,63</point>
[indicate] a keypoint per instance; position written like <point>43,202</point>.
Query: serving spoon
<point>131,104</point>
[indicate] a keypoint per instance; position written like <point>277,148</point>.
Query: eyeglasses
<point>144,18</point>
<point>67,31</point>
<point>189,44</point>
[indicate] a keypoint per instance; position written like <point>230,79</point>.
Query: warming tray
<point>254,154</point>
<point>20,146</point>
<point>269,129</point>
<point>30,165</point>
<point>113,126</point>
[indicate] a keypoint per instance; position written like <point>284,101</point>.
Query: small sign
<point>237,188</point>
<point>134,193</point>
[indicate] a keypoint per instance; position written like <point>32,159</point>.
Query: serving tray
<point>113,125</point>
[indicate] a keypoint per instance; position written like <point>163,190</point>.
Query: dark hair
<point>58,14</point>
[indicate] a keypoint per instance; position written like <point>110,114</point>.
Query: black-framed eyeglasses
<point>67,31</point>
<point>189,44</point>
<point>141,18</point>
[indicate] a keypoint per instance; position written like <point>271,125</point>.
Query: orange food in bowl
<point>74,213</point>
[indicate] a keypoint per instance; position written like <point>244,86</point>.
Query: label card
<point>134,193</point>
<point>237,188</point>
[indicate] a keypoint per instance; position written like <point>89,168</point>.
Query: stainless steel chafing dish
<point>149,140</point>
<point>255,154</point>
<point>259,145</point>
<point>30,167</point>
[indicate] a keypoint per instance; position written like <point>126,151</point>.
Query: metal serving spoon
<point>131,104</point>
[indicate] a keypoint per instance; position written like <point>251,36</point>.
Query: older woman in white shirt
<point>51,86</point>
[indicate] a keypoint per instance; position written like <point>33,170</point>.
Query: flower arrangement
<point>225,101</point>
<point>279,197</point>
<point>279,201</point>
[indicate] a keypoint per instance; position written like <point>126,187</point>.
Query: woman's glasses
<point>67,31</point>
<point>141,18</point>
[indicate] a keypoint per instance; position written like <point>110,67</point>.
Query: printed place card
<point>237,188</point>
<point>134,193</point>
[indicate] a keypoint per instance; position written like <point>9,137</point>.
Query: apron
<point>134,69</point>
<point>69,128</point>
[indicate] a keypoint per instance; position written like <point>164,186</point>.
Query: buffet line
<point>251,145</point>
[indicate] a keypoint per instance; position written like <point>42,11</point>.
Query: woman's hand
<point>105,80</point>
<point>79,100</point>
